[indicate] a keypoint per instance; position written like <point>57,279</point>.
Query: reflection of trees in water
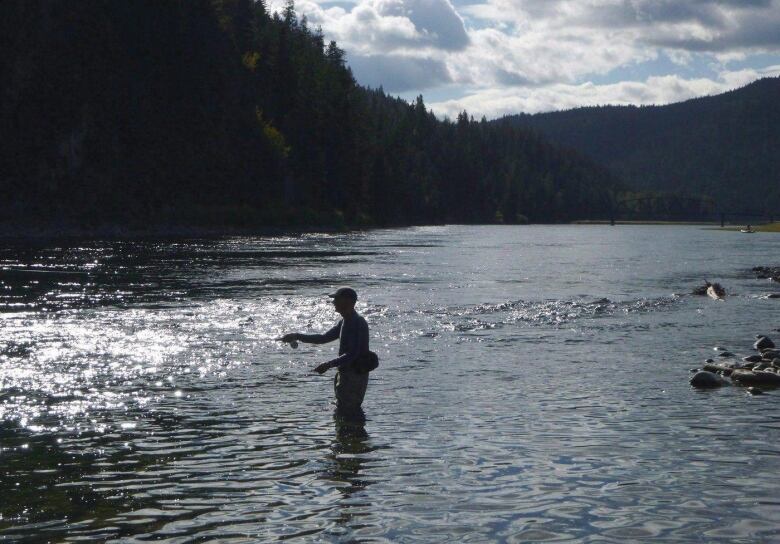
<point>40,481</point>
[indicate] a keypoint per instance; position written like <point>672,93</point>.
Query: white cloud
<point>387,26</point>
<point>403,72</point>
<point>496,102</point>
<point>531,55</point>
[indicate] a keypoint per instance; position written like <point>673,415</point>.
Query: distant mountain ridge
<point>725,146</point>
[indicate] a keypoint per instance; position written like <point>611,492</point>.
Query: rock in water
<point>763,342</point>
<point>718,369</point>
<point>756,377</point>
<point>754,391</point>
<point>770,353</point>
<point>752,359</point>
<point>716,291</point>
<point>706,379</point>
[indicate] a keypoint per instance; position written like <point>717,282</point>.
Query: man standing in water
<point>352,331</point>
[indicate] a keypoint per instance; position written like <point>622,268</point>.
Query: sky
<point>498,57</point>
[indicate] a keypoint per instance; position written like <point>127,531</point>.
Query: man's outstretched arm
<point>323,338</point>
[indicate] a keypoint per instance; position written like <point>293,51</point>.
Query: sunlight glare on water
<point>533,387</point>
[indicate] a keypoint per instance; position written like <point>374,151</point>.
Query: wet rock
<point>709,360</point>
<point>718,369</point>
<point>700,291</point>
<point>769,354</point>
<point>764,272</point>
<point>714,290</point>
<point>756,378</point>
<point>754,391</point>
<point>752,359</point>
<point>742,374</point>
<point>773,295</point>
<point>763,342</point>
<point>706,379</point>
<point>725,354</point>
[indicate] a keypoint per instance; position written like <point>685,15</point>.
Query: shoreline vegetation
<point>769,227</point>
<point>730,227</point>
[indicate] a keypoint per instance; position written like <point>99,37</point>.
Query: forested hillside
<point>204,112</point>
<point>726,146</point>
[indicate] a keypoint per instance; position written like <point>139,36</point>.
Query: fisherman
<point>352,331</point>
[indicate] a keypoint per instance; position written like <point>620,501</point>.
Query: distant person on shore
<point>351,380</point>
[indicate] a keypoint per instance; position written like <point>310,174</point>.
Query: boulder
<point>718,369</point>
<point>763,342</point>
<point>752,359</point>
<point>770,353</point>
<point>714,290</point>
<point>755,378</point>
<point>754,391</point>
<point>706,379</point>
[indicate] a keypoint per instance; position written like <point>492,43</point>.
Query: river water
<point>533,387</point>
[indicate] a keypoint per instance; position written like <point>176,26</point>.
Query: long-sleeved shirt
<point>352,333</point>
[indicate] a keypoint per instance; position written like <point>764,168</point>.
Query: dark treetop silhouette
<point>204,112</point>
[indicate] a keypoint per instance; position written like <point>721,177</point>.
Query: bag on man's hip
<point>367,362</point>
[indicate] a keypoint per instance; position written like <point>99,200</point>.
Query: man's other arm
<point>353,343</point>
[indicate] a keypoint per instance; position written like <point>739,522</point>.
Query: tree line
<point>217,112</point>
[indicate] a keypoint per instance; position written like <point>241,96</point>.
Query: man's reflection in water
<point>347,456</point>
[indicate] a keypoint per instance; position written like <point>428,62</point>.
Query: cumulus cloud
<point>496,102</point>
<point>383,26</point>
<point>528,55</point>
<point>685,24</point>
<point>399,73</point>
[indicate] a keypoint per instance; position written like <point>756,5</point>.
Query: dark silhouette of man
<point>350,383</point>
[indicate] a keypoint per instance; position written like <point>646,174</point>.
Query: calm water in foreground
<point>533,387</point>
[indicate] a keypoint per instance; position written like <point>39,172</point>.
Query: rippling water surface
<point>533,387</point>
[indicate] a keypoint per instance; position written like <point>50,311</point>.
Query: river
<point>533,387</point>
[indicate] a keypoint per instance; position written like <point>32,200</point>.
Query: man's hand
<point>291,337</point>
<point>322,368</point>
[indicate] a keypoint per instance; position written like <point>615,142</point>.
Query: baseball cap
<point>346,292</point>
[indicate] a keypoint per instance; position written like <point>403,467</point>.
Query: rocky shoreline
<point>767,272</point>
<point>758,372</point>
